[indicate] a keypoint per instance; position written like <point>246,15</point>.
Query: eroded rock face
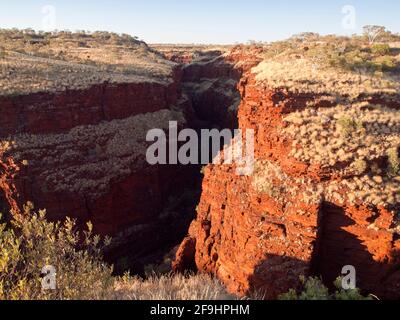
<point>82,153</point>
<point>289,218</point>
<point>57,112</point>
<point>211,81</point>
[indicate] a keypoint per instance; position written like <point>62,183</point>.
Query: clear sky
<point>202,21</point>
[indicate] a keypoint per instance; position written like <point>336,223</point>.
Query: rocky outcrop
<point>56,112</point>
<point>82,153</point>
<point>308,208</point>
<point>291,217</point>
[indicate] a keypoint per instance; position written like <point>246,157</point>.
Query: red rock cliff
<point>81,153</point>
<point>46,112</point>
<point>264,231</point>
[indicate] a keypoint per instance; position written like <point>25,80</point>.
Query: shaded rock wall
<point>82,154</point>
<point>211,82</point>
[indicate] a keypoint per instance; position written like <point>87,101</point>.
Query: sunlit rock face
<point>306,209</point>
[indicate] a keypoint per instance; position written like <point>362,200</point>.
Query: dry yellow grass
<point>171,287</point>
<point>365,189</point>
<point>55,62</point>
<point>344,66</point>
<point>328,136</point>
<point>354,140</point>
<point>305,76</point>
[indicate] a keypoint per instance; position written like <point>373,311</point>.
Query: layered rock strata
<point>324,192</point>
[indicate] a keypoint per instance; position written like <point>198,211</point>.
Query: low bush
<point>30,243</point>
<point>380,49</point>
<point>360,166</point>
<point>314,289</point>
<point>393,162</point>
<point>349,126</point>
<point>2,53</point>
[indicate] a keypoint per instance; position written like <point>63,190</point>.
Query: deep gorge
<point>148,211</point>
<point>82,155</point>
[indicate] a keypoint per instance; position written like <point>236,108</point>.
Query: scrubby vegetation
<point>29,242</point>
<point>333,65</point>
<point>393,162</point>
<point>2,53</point>
<point>49,44</point>
<point>359,144</point>
<point>344,116</point>
<point>115,149</point>
<point>314,289</point>
<point>50,61</point>
<point>349,53</point>
<point>381,49</point>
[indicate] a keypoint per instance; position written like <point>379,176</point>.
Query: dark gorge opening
<point>211,98</point>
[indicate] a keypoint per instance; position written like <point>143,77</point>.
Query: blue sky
<point>204,21</point>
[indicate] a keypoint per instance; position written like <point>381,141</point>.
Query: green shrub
<point>3,53</point>
<point>360,166</point>
<point>358,60</point>
<point>314,289</point>
<point>385,63</point>
<point>30,243</point>
<point>380,49</point>
<point>349,126</point>
<point>393,162</point>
